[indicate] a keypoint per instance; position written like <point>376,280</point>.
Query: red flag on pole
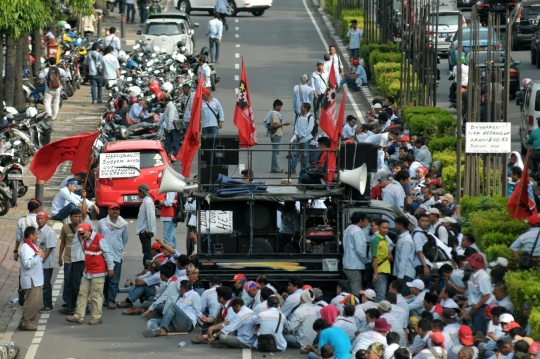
<point>328,118</point>
<point>76,149</point>
<point>520,205</point>
<point>191,141</point>
<point>243,114</point>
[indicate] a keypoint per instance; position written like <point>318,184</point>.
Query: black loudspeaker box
<point>354,155</point>
<point>211,146</point>
<point>264,218</point>
<point>210,173</point>
<point>261,244</point>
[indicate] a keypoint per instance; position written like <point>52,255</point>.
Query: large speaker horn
<point>356,178</point>
<point>173,181</point>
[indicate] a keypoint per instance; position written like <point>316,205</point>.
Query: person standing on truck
<point>354,251</point>
<point>290,224</point>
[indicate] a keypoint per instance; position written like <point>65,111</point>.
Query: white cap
<point>377,105</point>
<point>417,283</point>
<point>369,293</point>
<point>506,318</point>
<point>500,261</point>
<point>304,79</point>
<point>447,220</point>
<point>433,211</point>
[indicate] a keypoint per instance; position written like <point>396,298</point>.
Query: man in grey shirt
<point>146,221</point>
<point>111,67</point>
<point>93,64</point>
<point>113,40</point>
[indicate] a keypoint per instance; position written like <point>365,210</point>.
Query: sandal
<point>133,311</point>
<point>152,333</point>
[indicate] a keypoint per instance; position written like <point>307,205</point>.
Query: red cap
<point>239,277</point>
<point>437,339</point>
<point>206,92</point>
<point>534,220</point>
<point>435,182</point>
<point>84,227</point>
<point>405,138</point>
<point>477,261</point>
<point>466,335</point>
<point>114,205</point>
<point>43,214</point>
<point>307,286</point>
<point>156,246</point>
<point>511,326</point>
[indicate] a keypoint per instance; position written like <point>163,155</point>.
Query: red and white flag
<point>243,114</point>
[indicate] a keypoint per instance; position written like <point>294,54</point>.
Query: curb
<point>365,93</point>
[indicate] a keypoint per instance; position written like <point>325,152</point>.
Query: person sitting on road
<point>168,291</point>
<point>239,280</point>
<point>264,294</point>
<point>224,298</point>
<point>299,325</point>
<point>79,177</point>
<point>253,290</point>
<point>239,332</point>
<point>271,322</point>
<point>139,114</point>
<point>144,288</point>
<point>210,306</point>
<point>65,200</point>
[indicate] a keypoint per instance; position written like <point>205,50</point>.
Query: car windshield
<point>163,28</point>
<point>151,159</point>
<point>530,12</point>
<point>444,20</point>
<point>481,35</point>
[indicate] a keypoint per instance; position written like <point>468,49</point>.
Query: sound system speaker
<point>354,194</point>
<point>210,173</point>
<point>261,244</point>
<point>211,146</point>
<point>264,218</point>
<point>354,155</point>
<point>219,243</point>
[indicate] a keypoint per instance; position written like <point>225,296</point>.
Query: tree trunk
<point>37,51</point>
<point>22,63</point>
<point>11,71</point>
<point>2,82</point>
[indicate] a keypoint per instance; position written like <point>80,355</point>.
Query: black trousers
<point>222,18</point>
<point>75,274</point>
<point>47,287</point>
<point>146,243</point>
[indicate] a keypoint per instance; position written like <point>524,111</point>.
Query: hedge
<point>346,17</point>
<point>449,171</point>
<point>524,286</point>
<point>469,205</point>
<point>443,143</point>
<point>377,56</point>
<point>429,122</point>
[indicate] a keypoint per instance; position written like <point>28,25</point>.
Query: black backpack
<point>452,238</point>
<point>430,249</point>
<point>179,213</point>
<point>54,80</point>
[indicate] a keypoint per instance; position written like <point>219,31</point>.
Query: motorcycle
<point>11,171</point>
<point>5,197</point>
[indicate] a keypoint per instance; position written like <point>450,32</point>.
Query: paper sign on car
<point>119,164</point>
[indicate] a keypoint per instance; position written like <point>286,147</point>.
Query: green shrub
<point>377,56</point>
<point>534,321</point>
<point>443,143</point>
<point>429,122</point>
<point>494,238</point>
<point>332,6</point>
<point>501,250</point>
<point>346,17</point>
<point>524,286</point>
<point>367,49</point>
<point>469,205</point>
<point>447,157</point>
<point>495,221</point>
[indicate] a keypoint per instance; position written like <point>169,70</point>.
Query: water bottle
<point>11,345</point>
<point>15,301</point>
<point>181,344</point>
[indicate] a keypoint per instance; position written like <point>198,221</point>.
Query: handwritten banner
<point>488,137</point>
<point>119,165</point>
<point>217,222</point>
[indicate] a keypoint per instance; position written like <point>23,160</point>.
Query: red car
<point>124,190</point>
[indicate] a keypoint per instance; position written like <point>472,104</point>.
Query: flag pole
<point>521,181</point>
<point>89,167</point>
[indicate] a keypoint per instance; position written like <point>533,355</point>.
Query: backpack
<point>179,213</point>
<point>452,239</point>
<point>54,80</point>
<point>430,249</point>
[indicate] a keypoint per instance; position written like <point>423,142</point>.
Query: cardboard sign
<point>488,137</point>
<point>218,222</point>
<point>119,164</point>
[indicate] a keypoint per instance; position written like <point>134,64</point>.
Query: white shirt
<point>62,199</point>
<point>347,324</point>
<point>110,65</point>
<point>31,267</point>
<point>268,321</point>
<point>319,81</point>
<point>114,41</point>
<point>364,340</point>
<point>464,75</point>
<point>389,351</point>
<point>300,324</point>
<point>242,323</point>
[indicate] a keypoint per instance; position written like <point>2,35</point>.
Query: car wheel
<point>533,56</point>
<point>183,6</point>
<point>258,12</point>
<point>231,8</point>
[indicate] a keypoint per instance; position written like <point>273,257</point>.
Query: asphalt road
<point>278,48</point>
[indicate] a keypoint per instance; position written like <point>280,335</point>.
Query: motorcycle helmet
<point>110,84</point>
<point>167,87</point>
<point>122,56</point>
<point>525,82</point>
<point>183,50</point>
<point>134,91</point>
<point>159,95</point>
<point>133,100</point>
<point>124,133</point>
<point>154,86</point>
<point>156,49</point>
<point>78,42</point>
<point>60,24</point>
<point>31,112</point>
<point>180,44</point>
<point>463,58</point>
<point>180,58</point>
<point>116,103</point>
<point>66,27</point>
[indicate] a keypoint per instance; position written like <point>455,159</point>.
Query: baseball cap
<point>114,205</point>
<point>144,188</point>
<point>534,220</point>
<point>239,277</point>
<point>437,339</point>
<point>304,78</point>
<point>466,335</point>
<point>511,326</point>
<point>385,305</point>
<point>404,138</point>
<point>318,293</point>
<point>377,105</point>
<point>433,211</point>
<point>417,283</point>
<point>75,182</point>
<point>449,315</point>
<point>156,246</point>
<point>435,182</point>
<point>447,220</point>
<point>84,227</point>
<point>42,214</point>
<point>369,293</point>
<point>388,178</point>
<point>206,92</point>
<point>500,261</point>
<point>506,318</point>
<point>251,285</point>
<point>477,261</point>
<point>320,62</point>
<point>153,263</point>
<point>167,97</point>
<point>448,197</point>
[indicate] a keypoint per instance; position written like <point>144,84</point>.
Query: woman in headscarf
<point>330,313</point>
<point>513,160</point>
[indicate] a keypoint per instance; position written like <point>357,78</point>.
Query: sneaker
<point>293,172</point>
<point>45,310</point>
<point>96,321</point>
<point>65,311</point>
<point>74,319</point>
<point>278,170</point>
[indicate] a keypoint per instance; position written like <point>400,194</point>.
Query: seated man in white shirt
<point>144,288</point>
<point>347,321</point>
<point>392,339</point>
<point>79,177</point>
<point>435,348</point>
<point>168,290</point>
<point>376,335</point>
<point>264,294</point>
<point>343,292</point>
<point>239,332</point>
<point>65,200</point>
<point>270,322</point>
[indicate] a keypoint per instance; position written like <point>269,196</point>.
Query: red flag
<point>76,149</point>
<point>191,141</point>
<point>328,118</point>
<point>243,114</point>
<point>334,144</point>
<point>520,205</point>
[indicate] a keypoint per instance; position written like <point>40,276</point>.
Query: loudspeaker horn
<point>356,178</point>
<point>173,181</point>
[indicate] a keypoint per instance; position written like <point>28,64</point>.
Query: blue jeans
<point>65,289</point>
<point>143,291</point>
<point>380,287</point>
<point>479,320</point>
<point>312,355</point>
<point>213,41</point>
<point>350,81</point>
<point>110,289</point>
<point>96,81</point>
<point>169,232</point>
<point>297,148</point>
<point>122,7</point>
<point>275,151</point>
<point>354,53</point>
<point>172,144</point>
<point>143,12</point>
<point>130,11</point>
<point>64,212</point>
<point>211,130</point>
<point>174,319</point>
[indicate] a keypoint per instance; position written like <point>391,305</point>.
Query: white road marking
<point>43,321</point>
<point>36,340</point>
<point>236,35</point>
<point>349,95</point>
<point>39,334</point>
<point>236,28</point>
<point>237,66</point>
<point>236,90</point>
<point>246,353</point>
<point>236,78</point>
<point>45,316</point>
<point>237,55</point>
<point>31,353</point>
<point>237,45</point>
<point>55,293</point>
<point>235,20</point>
<point>41,327</point>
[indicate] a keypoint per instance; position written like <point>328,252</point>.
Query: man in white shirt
<point>319,82</point>
<point>89,25</point>
<point>264,294</point>
<point>206,71</point>
<point>347,322</point>
<point>221,9</point>
<point>166,122</point>
<point>47,242</point>
<point>343,292</point>
<point>354,34</point>
<point>318,302</point>
<point>113,40</point>
<point>31,277</point>
<point>294,289</point>
<point>376,335</point>
<point>64,201</point>
<point>299,326</point>
<point>146,221</point>
<point>271,322</point>
<point>111,66</point>
<point>215,31</point>
<point>238,333</point>
<point>338,66</point>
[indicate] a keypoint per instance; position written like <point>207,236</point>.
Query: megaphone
<point>173,181</point>
<point>356,178</point>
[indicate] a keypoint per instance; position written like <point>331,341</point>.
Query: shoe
<point>93,102</point>
<point>64,305</point>
<point>226,27</point>
<point>219,345</point>
<point>279,170</point>
<point>173,158</point>
<point>200,339</point>
<point>293,172</point>
<point>217,61</point>
<point>124,304</point>
<point>74,319</point>
<point>96,321</point>
<point>45,310</point>
<point>65,311</point>
<point>111,305</point>
<point>99,101</point>
<point>29,328</point>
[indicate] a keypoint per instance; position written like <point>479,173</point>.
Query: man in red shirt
<point>99,263</point>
